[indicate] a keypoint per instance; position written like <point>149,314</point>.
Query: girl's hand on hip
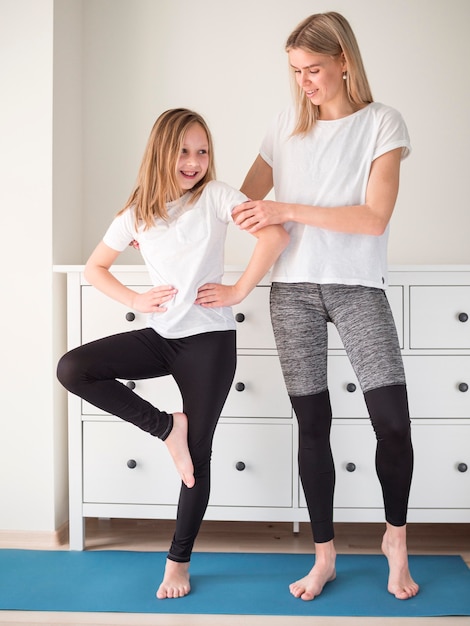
<point>151,301</point>
<point>213,295</point>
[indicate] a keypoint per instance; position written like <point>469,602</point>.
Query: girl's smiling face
<point>193,160</point>
<point>321,78</point>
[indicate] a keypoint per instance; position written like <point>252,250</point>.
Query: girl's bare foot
<point>177,444</point>
<point>400,583</point>
<point>175,583</point>
<point>322,572</point>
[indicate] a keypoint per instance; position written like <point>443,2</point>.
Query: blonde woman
<point>334,161</point>
<point>178,215</point>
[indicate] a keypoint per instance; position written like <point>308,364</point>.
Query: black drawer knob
<point>130,317</point>
<point>463,387</point>
<point>240,317</point>
<point>463,317</point>
<point>130,384</point>
<point>131,463</point>
<point>240,466</point>
<point>351,387</point>
<point>351,467</point>
<point>240,386</point>
<point>462,467</point>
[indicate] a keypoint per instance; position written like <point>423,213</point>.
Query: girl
<point>178,214</point>
<point>335,162</point>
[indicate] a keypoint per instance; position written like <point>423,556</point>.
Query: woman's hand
<point>255,214</point>
<point>151,301</point>
<point>213,295</point>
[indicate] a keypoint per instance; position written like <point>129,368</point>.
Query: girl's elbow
<point>283,238</point>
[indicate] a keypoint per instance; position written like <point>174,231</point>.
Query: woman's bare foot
<point>175,583</point>
<point>400,583</point>
<point>322,572</point>
<point>177,444</point>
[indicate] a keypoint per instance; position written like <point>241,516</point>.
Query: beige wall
<point>226,60</point>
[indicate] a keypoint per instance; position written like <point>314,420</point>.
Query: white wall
<point>226,60</point>
<point>82,83</point>
<point>28,482</point>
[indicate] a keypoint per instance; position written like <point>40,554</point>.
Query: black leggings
<point>203,367</point>
<point>364,321</point>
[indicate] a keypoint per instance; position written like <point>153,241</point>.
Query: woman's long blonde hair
<point>328,33</point>
<point>156,181</point>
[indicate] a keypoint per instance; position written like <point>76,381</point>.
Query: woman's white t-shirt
<point>329,167</point>
<point>185,251</point>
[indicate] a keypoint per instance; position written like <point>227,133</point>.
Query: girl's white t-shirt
<point>185,251</point>
<point>329,167</point>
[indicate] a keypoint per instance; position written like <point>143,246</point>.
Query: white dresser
<point>116,470</point>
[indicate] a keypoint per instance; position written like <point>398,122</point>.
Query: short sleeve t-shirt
<point>185,251</point>
<point>329,167</point>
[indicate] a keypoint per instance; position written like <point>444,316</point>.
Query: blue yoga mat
<point>224,583</point>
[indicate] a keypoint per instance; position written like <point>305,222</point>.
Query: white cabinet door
<point>438,386</point>
<point>124,465</point>
<point>258,389</point>
<point>347,399</point>
<point>102,316</point>
<point>441,477</point>
<point>252,465</point>
<point>440,317</point>
<point>357,485</point>
<point>254,330</point>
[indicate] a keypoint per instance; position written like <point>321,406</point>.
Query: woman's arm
<point>370,218</point>
<point>97,273</point>
<point>259,180</point>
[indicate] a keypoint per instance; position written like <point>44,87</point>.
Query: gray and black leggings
<point>362,316</point>
<point>203,367</point>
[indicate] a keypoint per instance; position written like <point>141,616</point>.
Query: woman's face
<point>321,78</point>
<point>193,160</point>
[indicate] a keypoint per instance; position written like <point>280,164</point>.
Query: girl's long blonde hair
<point>328,33</point>
<point>157,183</point>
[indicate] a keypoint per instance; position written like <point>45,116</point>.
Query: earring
<point>345,75</point>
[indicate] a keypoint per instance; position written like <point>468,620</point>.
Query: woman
<point>334,162</point>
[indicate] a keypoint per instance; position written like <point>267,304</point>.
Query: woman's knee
<point>389,412</point>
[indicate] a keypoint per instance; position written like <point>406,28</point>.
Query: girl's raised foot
<point>177,444</point>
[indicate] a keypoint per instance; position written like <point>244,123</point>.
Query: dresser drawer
<point>254,330</point>
<point>395,298</point>
<point>438,386</point>
<point>357,485</point>
<point>124,465</point>
<point>441,476</point>
<point>258,389</point>
<point>102,316</point>
<point>440,317</point>
<point>347,399</point>
<point>252,465</point>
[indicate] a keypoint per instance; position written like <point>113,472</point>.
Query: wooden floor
<point>248,537</point>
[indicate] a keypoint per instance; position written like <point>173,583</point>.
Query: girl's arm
<point>370,218</point>
<point>97,273</point>
<point>271,242</point>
